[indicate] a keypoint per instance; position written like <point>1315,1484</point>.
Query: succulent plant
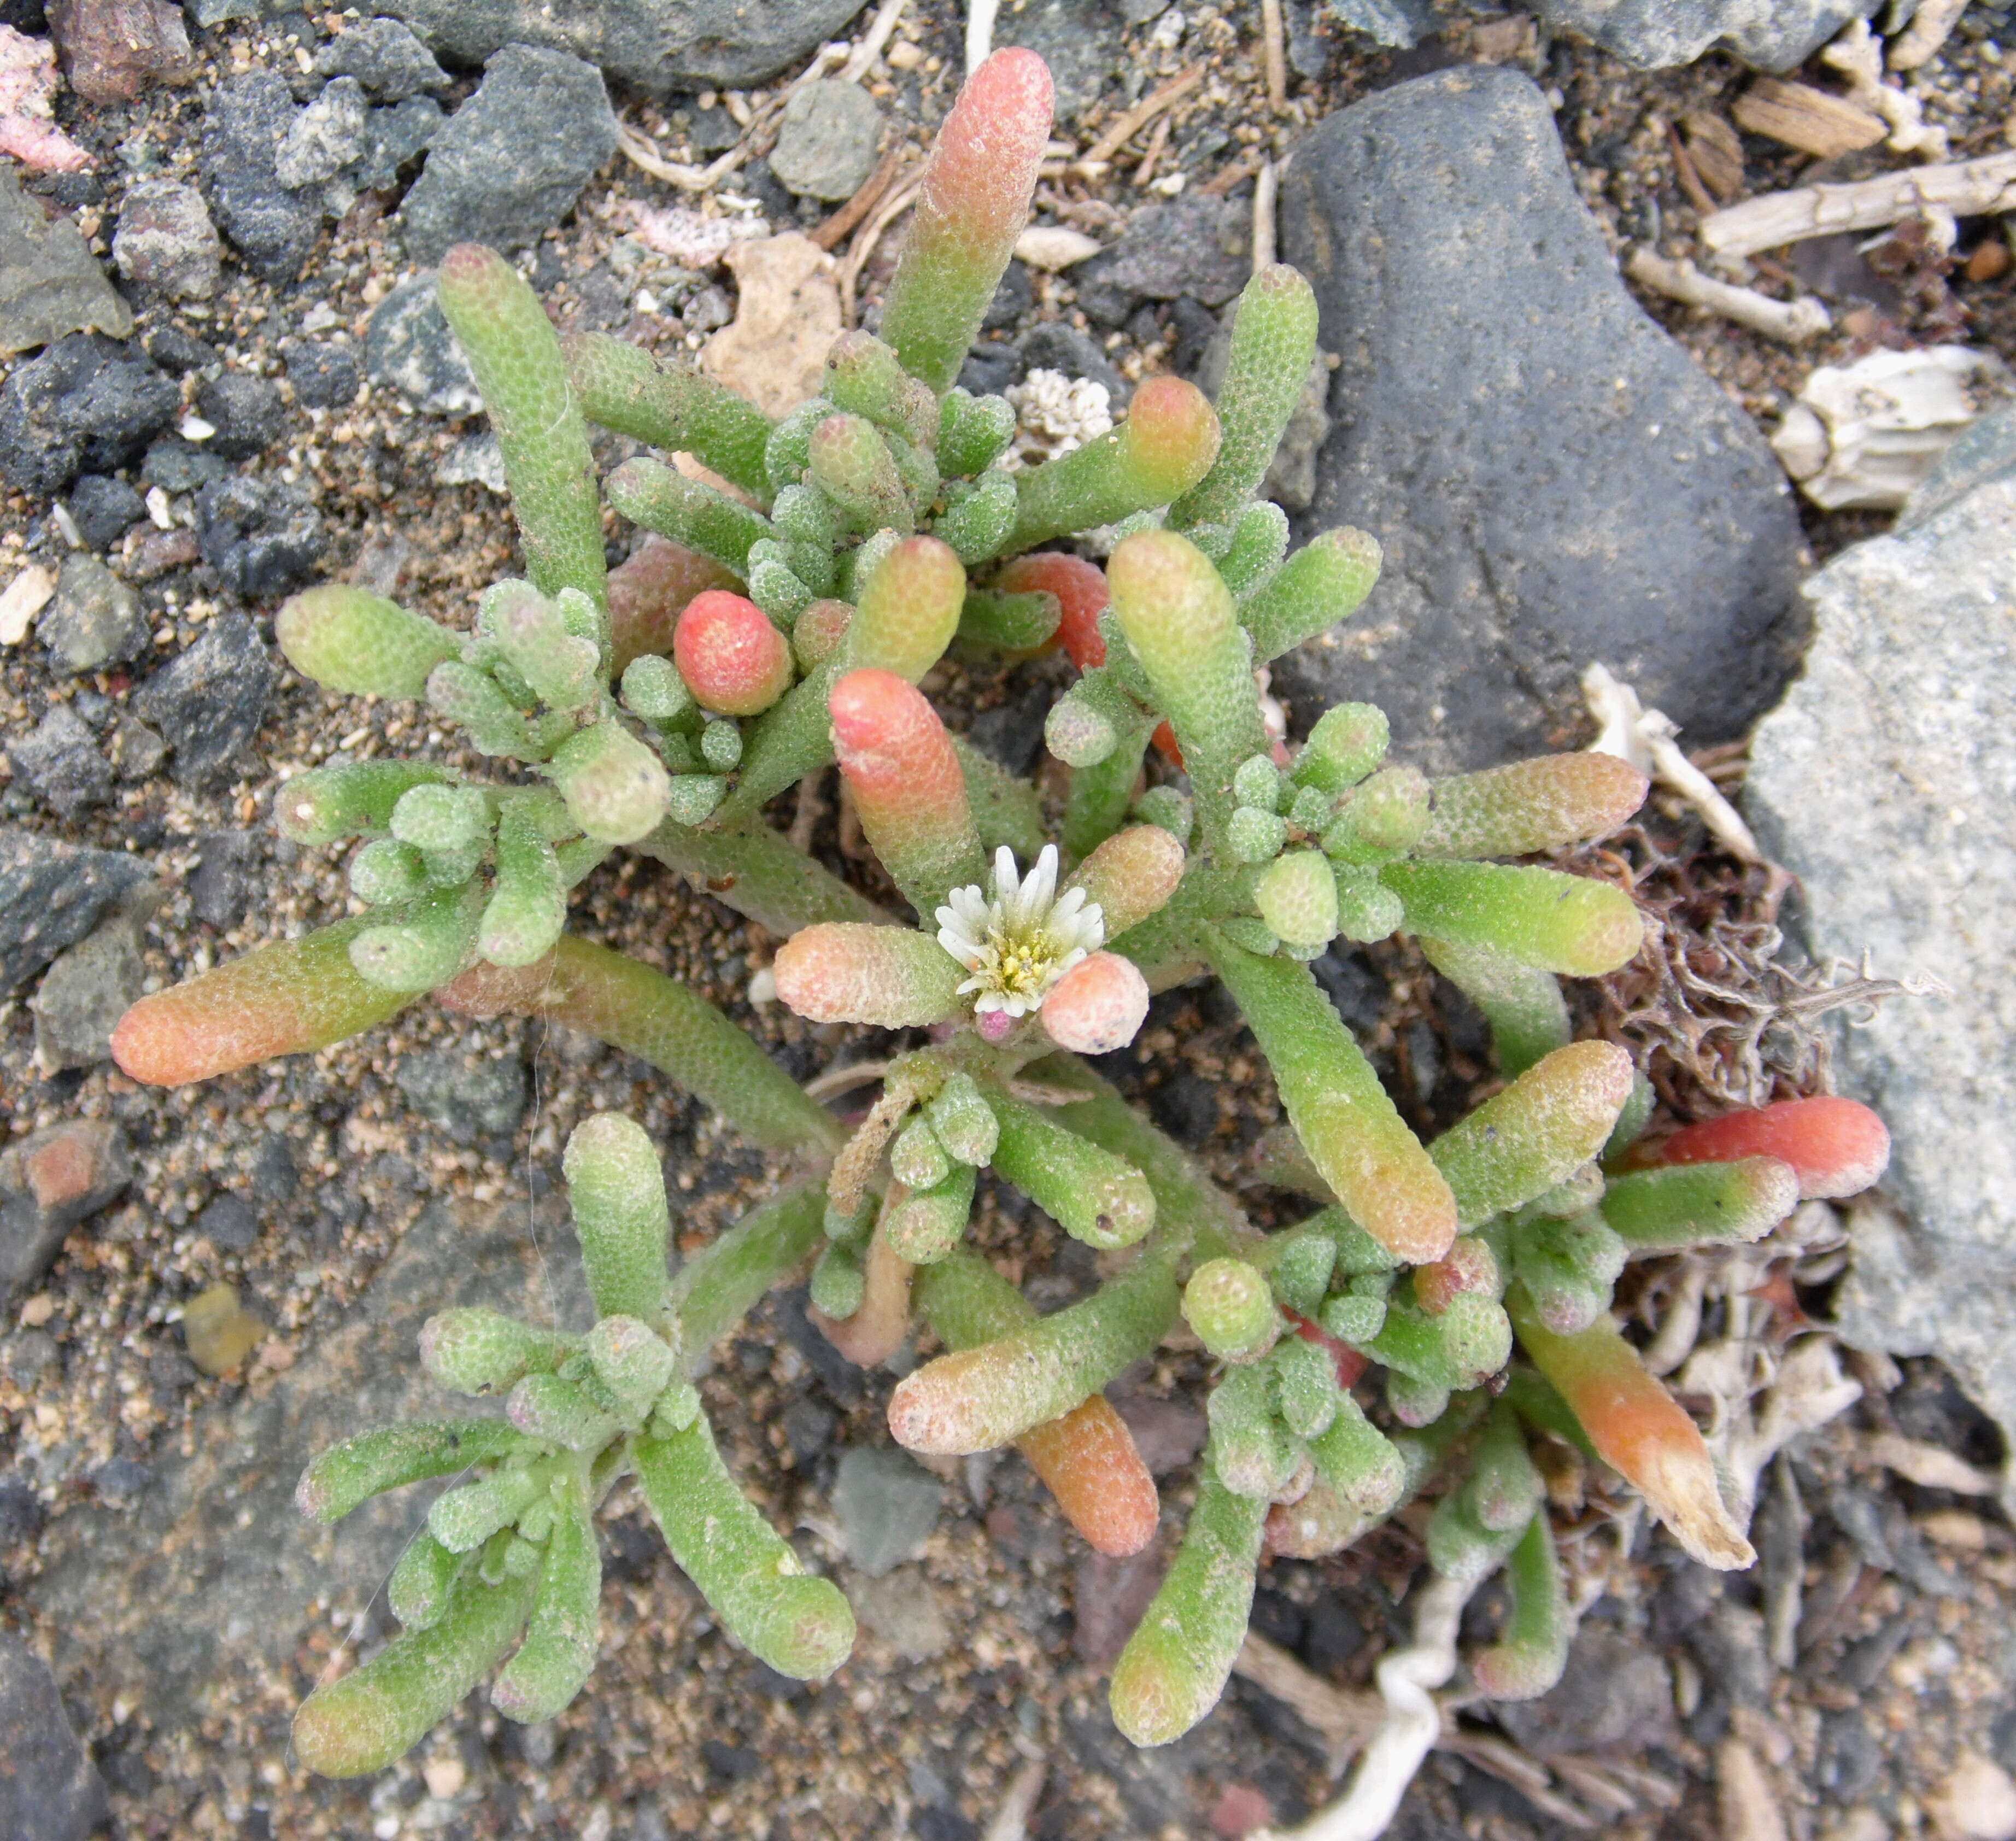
<point>785,618</point>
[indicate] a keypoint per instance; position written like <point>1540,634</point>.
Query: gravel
<point>166,243</point>
<point>59,763</point>
<point>49,1789</point>
<point>95,619</point>
<point>208,701</point>
<point>828,140</point>
<point>86,405</point>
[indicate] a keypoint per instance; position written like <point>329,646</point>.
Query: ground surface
<point>982,1654</point>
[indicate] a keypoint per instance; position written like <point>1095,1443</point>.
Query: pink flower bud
<point>1081,593</point>
<point>647,593</point>
<point>1097,1006</point>
<point>732,659</point>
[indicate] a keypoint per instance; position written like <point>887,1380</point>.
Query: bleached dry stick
<point>1793,322</point>
<point>1930,25</point>
<point>1265,188</point>
<point>1964,189</point>
<point>871,41</point>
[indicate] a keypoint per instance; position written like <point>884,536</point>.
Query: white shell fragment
<point>1052,247</point>
<point>1859,437</point>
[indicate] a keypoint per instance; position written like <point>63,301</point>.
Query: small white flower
<point>1018,944</point>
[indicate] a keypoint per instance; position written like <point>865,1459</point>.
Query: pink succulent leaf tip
<point>1098,1006</point>
<point>1019,943</point>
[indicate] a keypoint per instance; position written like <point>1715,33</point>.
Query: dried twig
<point>869,47</point>
<point>1264,189</point>
<point>1931,1466</point>
<point>1011,1820</point>
<point>1119,133</point>
<point>1645,738</point>
<point>1930,26</point>
<point>1962,189</point>
<point>1857,53</point>
<point>1275,54</point>
<point>1343,1720</point>
<point>1500,1759</point>
<point>1144,174</point>
<point>756,139</point>
<point>836,1081</point>
<point>830,234</point>
<point>1793,322</point>
<point>979,32</point>
<point>864,245</point>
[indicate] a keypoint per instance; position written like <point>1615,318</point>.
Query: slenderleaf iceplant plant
<point>758,635</point>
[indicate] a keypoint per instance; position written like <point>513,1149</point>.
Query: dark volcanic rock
<point>246,411</point>
<point>325,377</point>
<point>1555,482</point>
<point>385,57</point>
<point>1080,40</point>
<point>1198,246</point>
<point>261,536</point>
<point>660,44</point>
<point>49,1789</point>
<point>1653,34</point>
<point>208,701</point>
<point>408,347</point>
<point>468,1095</point>
<point>166,243</point>
<point>512,159</point>
<point>221,886</point>
<point>271,225</point>
<point>48,1182</point>
<point>103,509</point>
<point>51,894</point>
<point>59,763</point>
<point>50,282</point>
<point>87,404</point>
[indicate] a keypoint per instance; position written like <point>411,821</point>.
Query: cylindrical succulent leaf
<point>326,804</point>
<point>626,1004</point>
<point>908,788</point>
<point>1006,809</point>
<point>864,376</point>
<point>516,355</point>
<point>1838,1147</point>
<point>1081,593</point>
<point>558,1654</point>
<point>1130,876</point>
<point>618,1193</point>
<point>1358,1462</point>
<point>556,1412</point>
<point>978,525</point>
<point>973,204</point>
<point>1251,1449</point>
<point>1529,1655</point>
<point>1008,622</point>
<point>528,906</point>
<point>1323,582</point>
<point>1266,371</point>
<point>351,640</point>
<point>820,633</point>
<point>908,610</point>
<point>496,724</point>
<point>1348,742</point>
<point>423,1581</point>
<point>465,1517</point>
<point>1381,818</point>
<point>478,1351</point>
<point>964,1121</point>
<point>974,431</point>
<point>916,1159</point>
<point>1528,1015</point>
<point>1175,1665</point>
<point>1231,1307</point>
<point>1689,1204</point>
<point>1297,896</point>
<point>978,1398</point>
<point>352,1472</point>
<point>848,972</point>
<point>363,1720</point>
<point>730,654</point>
<point>614,786</point>
<point>1259,541</point>
<point>1571,924</point>
<point>662,499</point>
<point>1374,1165</point>
<point>927,1224</point>
<point>1098,1006</point>
<point>1504,1487</point>
<point>417,948</point>
<point>561,667</point>
<point>675,408</point>
<point>287,998</point>
<point>799,1625</point>
<point>1567,1267</point>
<point>851,462</point>
<point>633,1361</point>
<point>1166,445</point>
<point>1093,1195</point>
<point>1522,1141</point>
<point>1638,1428</point>
<point>1532,805</point>
<point>1178,620</point>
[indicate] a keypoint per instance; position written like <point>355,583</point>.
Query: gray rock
<point>1292,475</point>
<point>49,1789</point>
<point>658,44</point>
<point>21,1515</point>
<point>178,466</point>
<point>209,700</point>
<point>166,243</point>
<point>888,1504</point>
<point>384,56</point>
<point>59,761</point>
<point>1555,482</point>
<point>50,282</point>
<point>1055,345</point>
<point>325,137</point>
<point>228,1223</point>
<point>247,1584</point>
<point>221,884</point>
<point>394,136</point>
<point>1885,782</point>
<point>261,536</point>
<point>905,1611</point>
<point>827,142</point>
<point>50,1181</point>
<point>511,161</point>
<point>1653,34</point>
<point>409,348</point>
<point>1614,1691</point>
<point>1199,247</point>
<point>1396,24</point>
<point>468,1095</point>
<point>246,411</point>
<point>94,619</point>
<point>1984,451</point>
<point>87,404</point>
<point>51,894</point>
<point>476,460</point>
<point>272,225</point>
<point>83,995</point>
<point>137,752</point>
<point>1080,40</point>
<point>104,509</point>
<point>325,377</point>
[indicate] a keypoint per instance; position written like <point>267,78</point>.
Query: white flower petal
<point>1006,884</point>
